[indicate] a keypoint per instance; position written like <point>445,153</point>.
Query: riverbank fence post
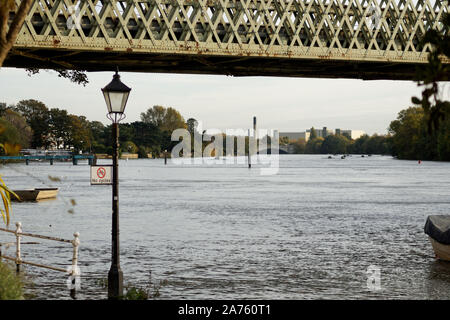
<point>17,233</point>
<point>75,271</point>
<point>75,244</point>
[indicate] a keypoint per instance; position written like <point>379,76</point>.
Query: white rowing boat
<point>438,230</point>
<point>35,194</point>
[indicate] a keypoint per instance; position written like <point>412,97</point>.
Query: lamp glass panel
<point>124,100</point>
<point>116,99</point>
<point>108,102</point>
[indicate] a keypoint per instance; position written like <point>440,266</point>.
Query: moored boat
<point>437,228</point>
<point>35,194</point>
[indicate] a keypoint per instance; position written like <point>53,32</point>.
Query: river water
<point>312,231</point>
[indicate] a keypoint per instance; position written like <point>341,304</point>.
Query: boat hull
<point>36,194</point>
<point>442,251</point>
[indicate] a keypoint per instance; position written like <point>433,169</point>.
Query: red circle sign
<point>101,172</point>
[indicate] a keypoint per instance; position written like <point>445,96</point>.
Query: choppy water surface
<point>210,232</point>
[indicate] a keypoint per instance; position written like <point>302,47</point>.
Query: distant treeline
<point>31,124</point>
<point>342,144</point>
<point>411,137</point>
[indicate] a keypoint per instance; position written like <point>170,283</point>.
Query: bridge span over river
<point>359,39</point>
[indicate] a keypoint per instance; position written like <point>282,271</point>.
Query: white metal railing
<point>72,271</point>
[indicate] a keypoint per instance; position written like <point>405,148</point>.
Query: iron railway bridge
<point>356,39</point>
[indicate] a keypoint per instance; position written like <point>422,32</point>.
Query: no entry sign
<point>101,174</point>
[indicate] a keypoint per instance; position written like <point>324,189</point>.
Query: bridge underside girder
<point>362,39</point>
<point>204,64</point>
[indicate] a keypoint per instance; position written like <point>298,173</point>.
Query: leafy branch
<point>437,70</point>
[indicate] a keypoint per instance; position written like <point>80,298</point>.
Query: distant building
<point>294,136</point>
<point>354,134</point>
<point>323,133</point>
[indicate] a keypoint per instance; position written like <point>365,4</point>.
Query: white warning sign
<point>101,174</point>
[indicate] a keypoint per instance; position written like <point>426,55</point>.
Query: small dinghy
<point>35,194</point>
<point>438,230</point>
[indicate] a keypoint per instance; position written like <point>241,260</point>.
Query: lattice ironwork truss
<point>366,39</point>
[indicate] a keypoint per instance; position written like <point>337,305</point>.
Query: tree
<point>129,146</point>
<point>59,124</point>
<point>192,125</point>
<point>283,140</point>
<point>37,117</point>
<point>24,131</point>
<point>8,35</point>
<point>2,109</point>
<point>166,119</point>
<point>299,146</point>
<point>9,138</point>
<point>98,136</point>
<point>154,116</point>
<point>312,134</point>
<point>334,144</point>
<point>435,71</point>
<point>359,145</point>
<point>314,145</point>
<point>410,137</point>
<point>147,136</point>
<point>79,133</point>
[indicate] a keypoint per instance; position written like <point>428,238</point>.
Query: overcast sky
<point>286,104</point>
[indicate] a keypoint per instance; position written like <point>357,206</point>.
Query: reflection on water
<point>309,232</point>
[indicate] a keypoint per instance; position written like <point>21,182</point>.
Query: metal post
<point>256,135</point>
<point>249,152</point>
<point>17,233</point>
<point>115,275</point>
<point>27,162</point>
<point>51,161</point>
<point>165,156</point>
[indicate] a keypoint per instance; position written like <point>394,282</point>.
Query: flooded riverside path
<point>226,232</point>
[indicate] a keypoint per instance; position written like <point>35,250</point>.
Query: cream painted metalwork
<point>352,30</point>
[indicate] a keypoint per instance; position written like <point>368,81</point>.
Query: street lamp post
<point>116,96</point>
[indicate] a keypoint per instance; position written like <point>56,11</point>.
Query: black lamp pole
<point>116,96</point>
<point>115,274</point>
